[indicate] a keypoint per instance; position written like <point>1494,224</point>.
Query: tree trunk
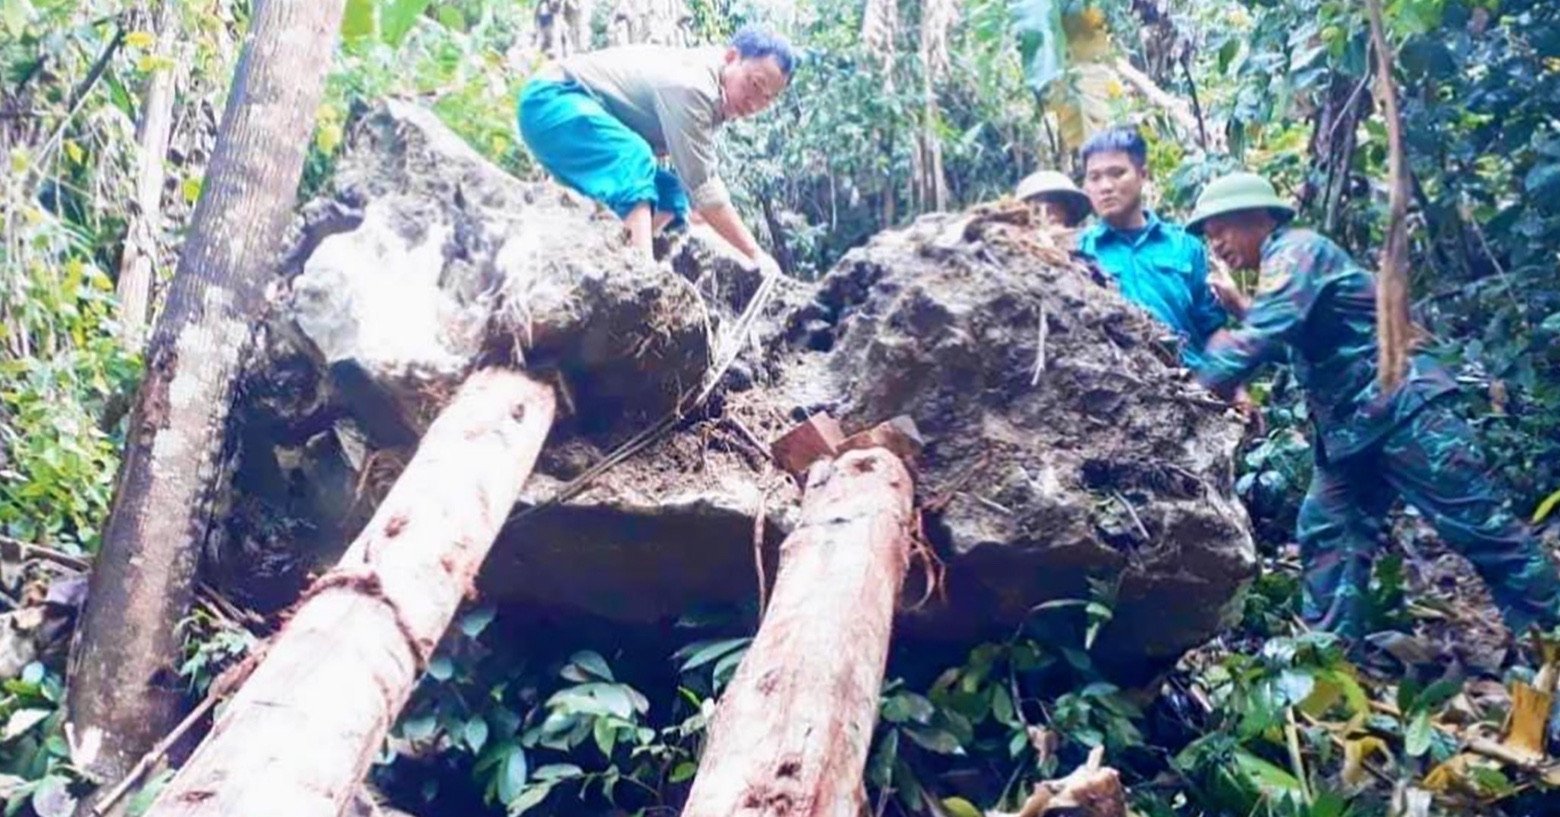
<point>124,689</point>
<point>298,737</point>
<point>791,733</point>
<point>137,267</point>
<point>1394,330</point>
<point>662,22</point>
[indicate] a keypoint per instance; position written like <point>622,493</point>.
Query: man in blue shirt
<point>1156,264</point>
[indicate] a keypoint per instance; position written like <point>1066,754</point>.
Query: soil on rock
<point>1063,444</point>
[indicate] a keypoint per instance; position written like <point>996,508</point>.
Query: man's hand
<point>767,264</point>
<point>1249,409</point>
<point>1226,291</point>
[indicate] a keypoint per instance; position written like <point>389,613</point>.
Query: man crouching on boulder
<point>1316,308</point>
<point>598,122</point>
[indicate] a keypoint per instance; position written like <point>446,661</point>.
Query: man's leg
<point>1337,529</point>
<point>586,148</point>
<point>640,231</point>
<point>671,200</point>
<point>1435,462</point>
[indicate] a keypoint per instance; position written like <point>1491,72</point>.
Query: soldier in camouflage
<point>1316,309</point>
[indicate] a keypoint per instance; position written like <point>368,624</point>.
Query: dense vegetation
<point>1268,721</point>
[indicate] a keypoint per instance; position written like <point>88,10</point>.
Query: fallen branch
<point>1091,790</point>
<point>220,688</point>
<point>1172,105</point>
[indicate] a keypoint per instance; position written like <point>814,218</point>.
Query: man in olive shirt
<point>1316,309</point>
<point>598,121</point>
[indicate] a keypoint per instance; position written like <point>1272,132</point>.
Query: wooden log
<point>298,737</point>
<point>791,733</point>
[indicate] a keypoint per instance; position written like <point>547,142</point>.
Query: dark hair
<point>1119,139</point>
<point>757,42</point>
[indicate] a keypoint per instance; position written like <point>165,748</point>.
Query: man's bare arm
<point>723,219</point>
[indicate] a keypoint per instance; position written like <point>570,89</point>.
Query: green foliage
<point>35,768</point>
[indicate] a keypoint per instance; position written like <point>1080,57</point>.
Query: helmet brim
<point>1281,212</point>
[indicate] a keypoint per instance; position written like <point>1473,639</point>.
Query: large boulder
<point>1063,444</point>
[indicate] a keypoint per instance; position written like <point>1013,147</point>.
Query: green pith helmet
<point>1049,184</point>
<point>1236,192</point>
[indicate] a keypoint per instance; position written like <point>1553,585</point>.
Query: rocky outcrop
<point>1062,444</point>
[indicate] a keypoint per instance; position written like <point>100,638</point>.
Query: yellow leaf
<point>191,189</point>
<point>1546,507</point>
<point>1525,725</point>
<point>328,138</point>
<point>152,63</point>
<point>19,160</point>
<point>1444,777</point>
<point>960,807</point>
<point>140,39</point>
<point>1359,750</point>
<point>74,151</point>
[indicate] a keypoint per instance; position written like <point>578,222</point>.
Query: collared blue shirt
<point>1163,269</point>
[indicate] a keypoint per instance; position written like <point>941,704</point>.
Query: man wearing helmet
<point>1316,308</point>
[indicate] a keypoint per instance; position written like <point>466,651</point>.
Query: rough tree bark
<point>791,733</point>
<point>137,267</point>
<point>124,693</point>
<point>299,736</point>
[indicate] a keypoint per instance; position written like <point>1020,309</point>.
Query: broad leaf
<point>1042,43</point>
<point>360,20</point>
<point>512,777</point>
<point>398,17</point>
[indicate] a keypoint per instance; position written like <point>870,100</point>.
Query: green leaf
<point>420,727</point>
<point>22,720</point>
<point>360,20</point>
<point>52,797</point>
<point>1546,507</point>
<point>1002,707</point>
<point>553,772</point>
<point>1543,180</point>
<point>441,668</point>
<point>1042,43</point>
<point>936,740</point>
<point>606,737</point>
<point>683,771</point>
<point>15,14</point>
<point>398,17</point>
<point>1272,781</point>
<point>727,667</point>
<point>474,622</point>
<point>476,733</point>
<point>451,18</point>
<point>142,801</point>
<point>903,707</point>
<point>587,665</point>
<point>595,699</point>
<point>703,652</point>
<point>512,777</point>
<point>1416,739</point>
<point>529,799</point>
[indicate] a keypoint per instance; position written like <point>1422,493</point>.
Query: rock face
<point>1061,444</point>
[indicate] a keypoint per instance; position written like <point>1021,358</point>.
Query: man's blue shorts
<point>579,142</point>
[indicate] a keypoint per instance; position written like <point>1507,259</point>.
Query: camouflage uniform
<point>1316,304</point>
